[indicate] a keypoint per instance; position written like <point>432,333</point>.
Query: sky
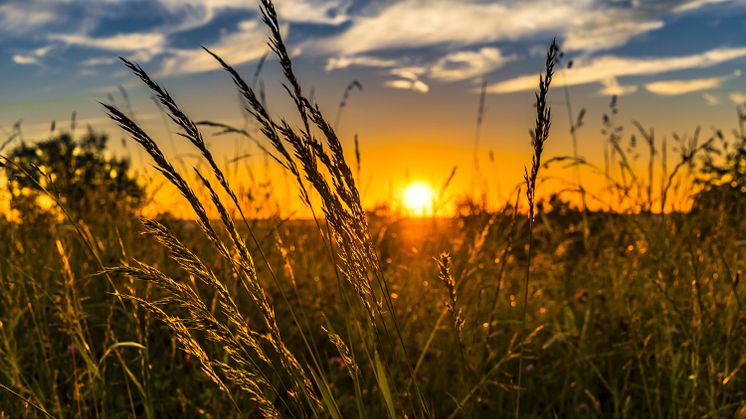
<point>675,65</point>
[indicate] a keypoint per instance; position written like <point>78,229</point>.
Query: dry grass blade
<point>356,257</point>
<point>345,97</point>
<point>244,264</point>
<point>539,136</point>
<point>446,278</point>
<point>540,133</point>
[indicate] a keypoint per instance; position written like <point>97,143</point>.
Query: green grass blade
<point>383,385</point>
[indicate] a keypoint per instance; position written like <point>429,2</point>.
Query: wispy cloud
<point>453,40</point>
<point>454,66</point>
<point>24,59</point>
<point>711,100</point>
<point>411,72</point>
<point>605,30</point>
<point>91,62</point>
<point>336,63</point>
<point>606,67</point>
<point>236,48</point>
<point>32,57</point>
<point>415,85</point>
<point>408,78</point>
<point>38,16</point>
<point>680,87</point>
<point>611,87</point>
<point>739,98</point>
<point>330,12</point>
<point>154,42</point>
<point>587,25</point>
<point>691,5</point>
<point>468,64</point>
<point>418,23</point>
<point>21,18</point>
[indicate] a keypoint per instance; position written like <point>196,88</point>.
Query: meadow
<point>545,307</point>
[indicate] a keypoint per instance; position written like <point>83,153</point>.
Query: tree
<point>77,172</point>
<point>723,175</point>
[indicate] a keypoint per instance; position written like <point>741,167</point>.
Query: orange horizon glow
<point>415,185</point>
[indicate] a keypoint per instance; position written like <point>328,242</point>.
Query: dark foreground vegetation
<point>539,309</point>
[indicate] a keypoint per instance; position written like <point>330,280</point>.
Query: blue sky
<point>675,64</point>
<point>405,44</point>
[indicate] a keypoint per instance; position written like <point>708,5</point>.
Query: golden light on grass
<point>418,199</point>
<point>249,296</point>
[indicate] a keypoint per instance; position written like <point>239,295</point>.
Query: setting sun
<point>418,199</point>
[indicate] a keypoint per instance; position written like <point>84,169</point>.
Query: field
<point>541,308</point>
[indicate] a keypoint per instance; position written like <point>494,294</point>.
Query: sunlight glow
<point>418,199</point>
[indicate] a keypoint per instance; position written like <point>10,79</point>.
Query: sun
<point>418,199</point>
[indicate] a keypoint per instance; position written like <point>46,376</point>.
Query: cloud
<point>611,87</point>
<point>585,25</point>
<point>138,46</point>
<point>22,18</point>
<point>418,23</point>
<point>336,63</point>
<point>91,62</point>
<point>605,67</point>
<point>455,66</point>
<point>680,87</point>
<point>33,56</point>
<point>200,12</point>
<point>468,64</point>
<point>24,59</point>
<point>711,100</point>
<point>43,51</point>
<point>738,98</point>
<point>408,78</point>
<point>410,73</point>
<point>696,4</point>
<point>415,85</point>
<point>121,42</point>
<point>607,30</point>
<point>329,12</point>
<point>245,45</point>
<point>457,38</point>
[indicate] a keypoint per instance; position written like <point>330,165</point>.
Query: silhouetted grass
<point>535,309</point>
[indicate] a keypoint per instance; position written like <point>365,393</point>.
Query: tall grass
<point>349,244</point>
<point>539,136</point>
<point>528,311</point>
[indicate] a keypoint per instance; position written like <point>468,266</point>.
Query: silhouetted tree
<point>723,175</point>
<point>77,172</point>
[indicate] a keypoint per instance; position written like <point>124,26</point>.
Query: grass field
<point>541,308</point>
